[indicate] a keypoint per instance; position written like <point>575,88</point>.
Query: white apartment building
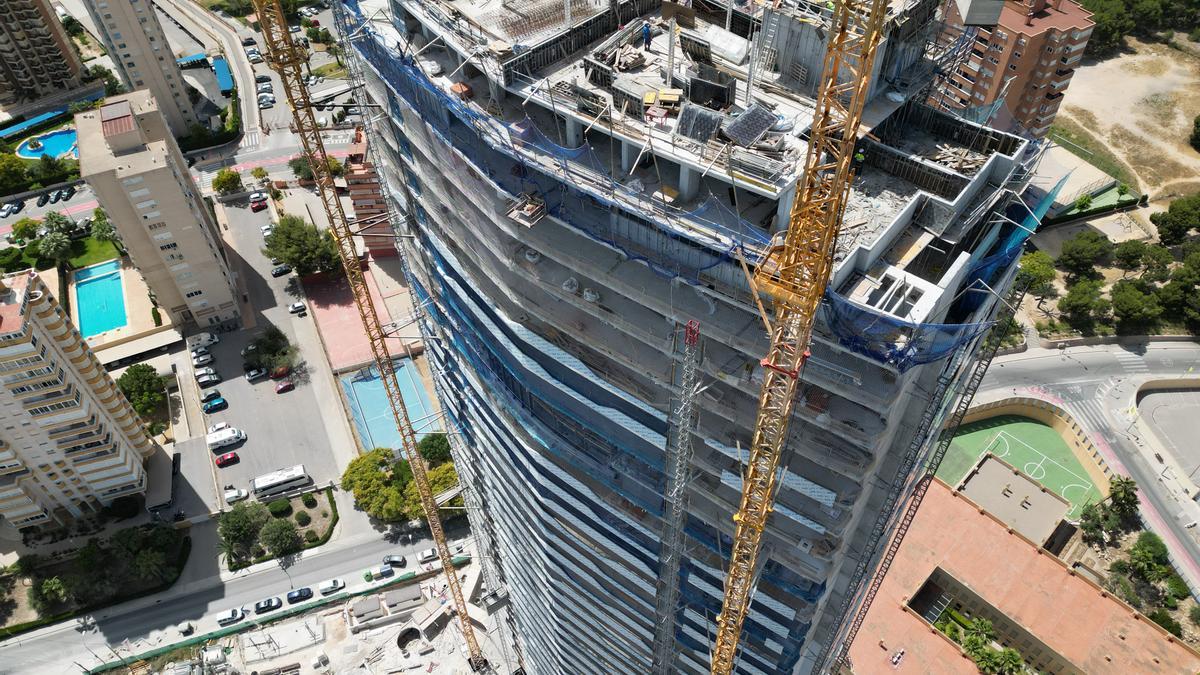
<point>135,40</point>
<point>133,164</point>
<point>70,441</point>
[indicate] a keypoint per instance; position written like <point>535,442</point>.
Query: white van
<point>202,340</point>
<point>331,586</point>
<point>224,437</point>
<point>428,555</point>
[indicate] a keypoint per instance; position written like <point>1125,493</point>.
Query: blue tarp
<point>224,77</point>
<point>194,58</point>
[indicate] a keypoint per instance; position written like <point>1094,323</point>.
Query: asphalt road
<point>1173,414</point>
<point>1097,385</point>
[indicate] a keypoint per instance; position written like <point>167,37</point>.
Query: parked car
<point>256,374</point>
<point>256,58</point>
<point>284,386</point>
<point>5,211</point>
<point>293,29</point>
<point>395,560</point>
<point>68,192</point>
<point>266,105</point>
<point>233,495</point>
<point>266,88</point>
<point>259,79</point>
<point>331,586</point>
<point>316,23</point>
<point>214,428</point>
<point>17,206</point>
<point>280,372</point>
<point>255,207</point>
<point>202,359</point>
<point>246,42</point>
<point>428,555</point>
<point>281,270</point>
<point>299,595</point>
<point>210,395</point>
<point>231,617</point>
<point>267,605</point>
<point>43,199</point>
<point>218,403</point>
<point>227,459</point>
<point>258,197</point>
<point>207,380</point>
<point>197,351</point>
<point>55,196</point>
<point>205,371</point>
<point>297,308</point>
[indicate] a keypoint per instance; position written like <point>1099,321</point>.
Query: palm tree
<point>103,230</point>
<point>982,628</point>
<point>1122,493</point>
<point>56,246</point>
<point>1010,662</point>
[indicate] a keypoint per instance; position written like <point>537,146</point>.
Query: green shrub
<point>1177,587</point>
<point>324,513</point>
<point>302,518</point>
<point>1194,615</point>
<point>1162,618</point>
<point>309,500</point>
<point>311,537</point>
<point>280,508</point>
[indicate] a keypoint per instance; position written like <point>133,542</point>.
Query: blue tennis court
<point>100,298</point>
<point>373,416</point>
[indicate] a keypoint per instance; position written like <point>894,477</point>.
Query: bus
<point>280,481</point>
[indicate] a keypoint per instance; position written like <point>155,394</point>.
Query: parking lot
<point>303,426</point>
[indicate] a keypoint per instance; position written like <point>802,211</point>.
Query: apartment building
<point>1027,59</point>
<point>36,55</point>
<point>129,157</point>
<point>70,442</point>
<point>560,231</point>
<point>135,40</point>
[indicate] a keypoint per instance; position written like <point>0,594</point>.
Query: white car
<point>297,308</point>
<point>255,58</point>
<point>235,495</point>
<point>258,197</point>
<point>202,359</point>
<point>266,105</point>
<point>267,230</point>
<point>217,427</point>
<point>199,351</point>
<point>5,211</point>
<point>266,88</point>
<point>206,371</point>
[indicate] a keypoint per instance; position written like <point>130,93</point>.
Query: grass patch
<point>1083,144</point>
<point>90,251</point>
<point>330,71</point>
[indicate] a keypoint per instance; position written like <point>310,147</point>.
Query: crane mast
<point>677,463</point>
<point>286,59</point>
<point>794,274</point>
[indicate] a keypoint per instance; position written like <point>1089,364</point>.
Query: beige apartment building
<point>36,55</point>
<point>135,40</point>
<point>133,164</point>
<point>1027,58</point>
<point>70,442</point>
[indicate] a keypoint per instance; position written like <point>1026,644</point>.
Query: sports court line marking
<point>1037,469</point>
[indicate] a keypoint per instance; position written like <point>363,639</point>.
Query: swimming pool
<point>56,144</point>
<point>100,298</point>
<point>373,415</point>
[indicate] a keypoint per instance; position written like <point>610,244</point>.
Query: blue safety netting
<point>892,340</point>
<point>574,183</point>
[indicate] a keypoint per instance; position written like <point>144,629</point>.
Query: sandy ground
<point>1148,123</point>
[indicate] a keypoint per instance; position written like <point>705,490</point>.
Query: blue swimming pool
<point>59,143</point>
<point>100,298</point>
<point>372,414</point>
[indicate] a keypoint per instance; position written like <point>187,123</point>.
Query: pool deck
<point>139,322</point>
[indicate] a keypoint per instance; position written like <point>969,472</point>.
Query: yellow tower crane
<point>286,59</point>
<point>794,274</point>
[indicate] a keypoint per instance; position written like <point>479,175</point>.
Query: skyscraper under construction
<point>573,182</point>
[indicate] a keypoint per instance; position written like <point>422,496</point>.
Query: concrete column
<point>574,137</point>
<point>784,209</point>
<point>629,154</point>
<point>689,182</point>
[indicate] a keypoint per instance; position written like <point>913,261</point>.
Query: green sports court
<point>1030,446</point>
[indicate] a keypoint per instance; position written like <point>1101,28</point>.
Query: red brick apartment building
<point>1037,45</point>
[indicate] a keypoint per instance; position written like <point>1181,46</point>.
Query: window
<point>139,193</point>
<point>1012,66</point>
<point>993,60</point>
<point>168,247</point>
<point>193,294</point>
<point>156,226</point>
<point>132,181</point>
<point>148,204</point>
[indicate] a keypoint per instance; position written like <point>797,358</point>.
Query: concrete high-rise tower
<point>572,204</point>
<point>36,56</point>
<point>70,442</point>
<point>131,161</point>
<point>138,46</point>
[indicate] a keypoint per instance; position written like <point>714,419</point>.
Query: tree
<point>1128,255</point>
<point>1112,24</point>
<point>239,527</point>
<point>303,170</point>
<point>1157,261</point>
<point>1083,252</point>
<point>144,388</point>
<point>54,590</point>
<point>56,246</point>
<point>1194,139</point>
<point>57,222</point>
<point>1037,270</point>
<point>259,174</point>
<point>441,478</point>
<point>1091,524</point>
<point>1122,494</point>
<point>1180,218</point>
<point>300,244</point>
<point>270,349</point>
<point>48,169</point>
<point>1083,202</point>
<point>1010,662</point>
<point>1163,618</point>
<point>12,173</point>
<point>1135,303</point>
<point>26,229</point>
<point>435,448</point>
<point>1194,615</point>
<point>103,230</point>
<point>377,483</point>
<point>227,182</point>
<point>1083,304</point>
<point>280,537</point>
<point>150,564</point>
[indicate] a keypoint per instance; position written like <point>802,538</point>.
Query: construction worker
<point>646,35</point>
<point>859,159</point>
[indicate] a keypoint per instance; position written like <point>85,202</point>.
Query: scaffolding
<point>678,466</point>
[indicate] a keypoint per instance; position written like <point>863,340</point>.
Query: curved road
<point>1097,386</point>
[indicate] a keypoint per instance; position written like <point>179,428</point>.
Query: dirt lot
<point>1147,126</point>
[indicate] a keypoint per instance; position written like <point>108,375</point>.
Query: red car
<point>280,372</point>
<point>285,385</point>
<point>227,459</point>
<point>257,206</point>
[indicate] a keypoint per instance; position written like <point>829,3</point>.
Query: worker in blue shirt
<point>646,35</point>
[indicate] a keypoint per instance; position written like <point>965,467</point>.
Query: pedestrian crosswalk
<point>204,180</point>
<point>1131,363</point>
<point>250,139</point>
<point>1090,415</point>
